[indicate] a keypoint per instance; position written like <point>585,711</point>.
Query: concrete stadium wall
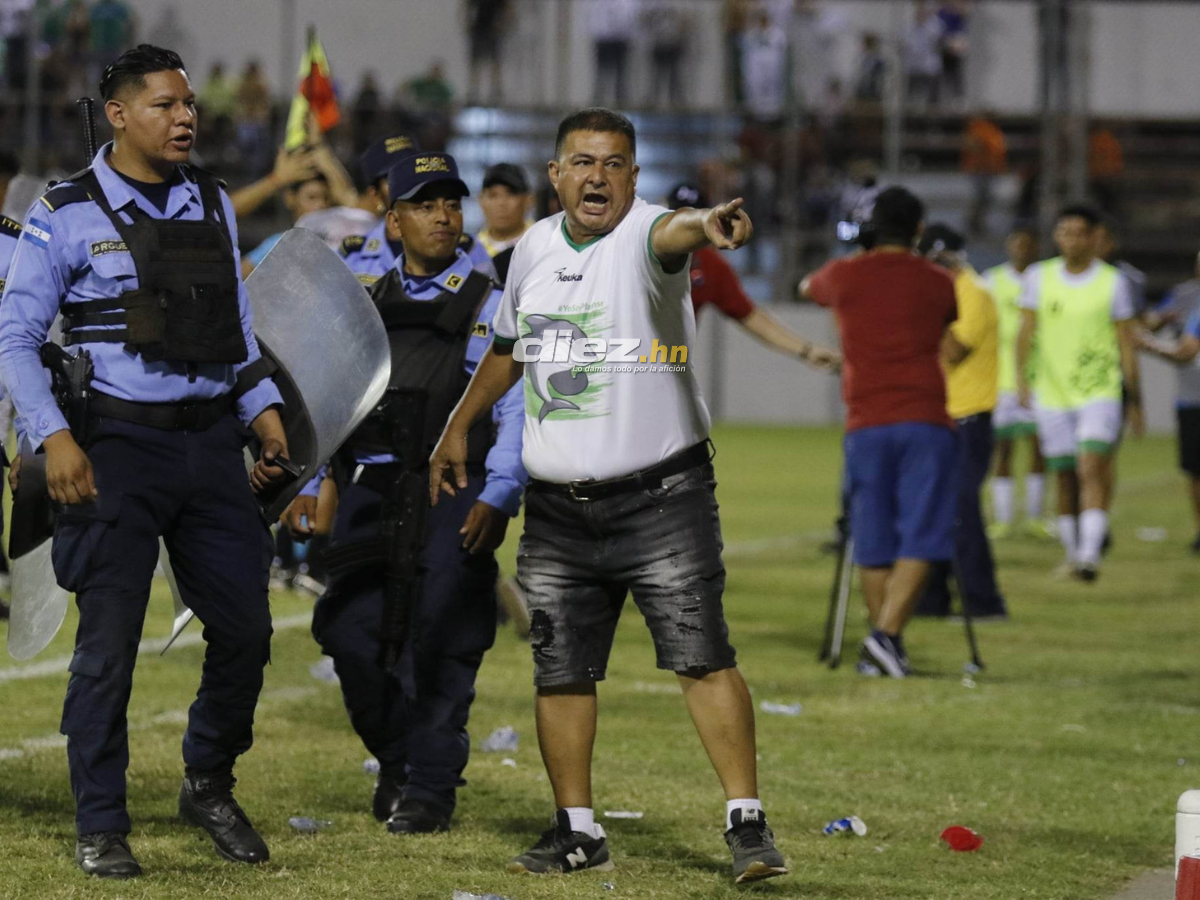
<point>1143,60</point>
<point>746,383</point>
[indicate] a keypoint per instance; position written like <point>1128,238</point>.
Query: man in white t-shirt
<point>597,318</point>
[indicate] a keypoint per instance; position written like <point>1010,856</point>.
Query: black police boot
<point>389,792</point>
<point>206,801</point>
<point>106,855</point>
<point>418,817</point>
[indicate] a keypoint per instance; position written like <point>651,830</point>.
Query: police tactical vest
<point>428,340</point>
<point>186,307</point>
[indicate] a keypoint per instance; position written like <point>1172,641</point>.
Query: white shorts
<point>1010,419</point>
<point>1094,426</point>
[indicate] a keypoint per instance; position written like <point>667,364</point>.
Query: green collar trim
<point>579,248</point>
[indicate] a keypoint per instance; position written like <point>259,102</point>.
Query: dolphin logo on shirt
<point>558,375</point>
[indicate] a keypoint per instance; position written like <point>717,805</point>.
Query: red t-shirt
<point>892,309</point>
<point>715,282</point>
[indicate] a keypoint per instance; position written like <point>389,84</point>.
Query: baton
<point>87,116</point>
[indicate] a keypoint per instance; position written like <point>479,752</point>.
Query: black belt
<point>696,455</point>
<point>184,416</point>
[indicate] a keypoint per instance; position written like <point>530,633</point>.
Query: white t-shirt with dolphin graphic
<point>613,406</point>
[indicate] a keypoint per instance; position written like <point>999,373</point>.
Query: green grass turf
<point>1067,755</point>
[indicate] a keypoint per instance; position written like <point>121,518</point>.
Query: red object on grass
<point>1187,882</point>
<point>962,839</point>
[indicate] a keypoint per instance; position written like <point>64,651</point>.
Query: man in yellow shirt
<point>969,355</point>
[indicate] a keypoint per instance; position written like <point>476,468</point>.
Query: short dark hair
<point>1080,211</point>
<point>896,216</point>
<point>940,238</point>
<point>595,118</point>
<point>132,67</point>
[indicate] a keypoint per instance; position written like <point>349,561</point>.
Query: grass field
<point>1066,755</point>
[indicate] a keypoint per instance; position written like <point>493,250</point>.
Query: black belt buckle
<point>188,417</point>
<point>573,488</point>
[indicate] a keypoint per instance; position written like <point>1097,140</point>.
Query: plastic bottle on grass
<point>962,839</point>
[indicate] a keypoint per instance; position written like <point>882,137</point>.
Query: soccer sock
<point>583,818</point>
<point>1035,489</point>
<point>1093,525</point>
<point>1002,500</point>
<point>746,804</point>
<point>1066,534</point>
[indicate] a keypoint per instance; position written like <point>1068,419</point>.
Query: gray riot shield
<point>318,324</point>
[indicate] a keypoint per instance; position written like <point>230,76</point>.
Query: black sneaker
<point>881,649</point>
<point>753,846</point>
<point>898,642</point>
<point>562,850</point>
<point>106,855</point>
<point>415,816</point>
<point>1086,573</point>
<point>389,791</point>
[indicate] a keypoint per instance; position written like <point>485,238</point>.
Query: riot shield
<point>319,325</point>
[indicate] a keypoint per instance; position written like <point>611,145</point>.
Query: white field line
<point>170,717</point>
<point>58,664</point>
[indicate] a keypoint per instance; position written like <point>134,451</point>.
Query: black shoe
<point>206,801</point>
<point>880,649</point>
<point>389,792</point>
<point>106,855</point>
<point>1086,573</point>
<point>753,846</point>
<point>418,817</point>
<point>562,850</point>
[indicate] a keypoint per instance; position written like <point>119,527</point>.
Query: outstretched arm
<point>687,230</point>
<point>768,329</point>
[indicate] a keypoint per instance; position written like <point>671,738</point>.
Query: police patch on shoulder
<point>366,279</point>
<point>352,243</point>
<point>99,248</point>
<point>10,227</point>
<point>454,282</point>
<point>373,245</point>
<point>38,232</point>
<point>481,329</point>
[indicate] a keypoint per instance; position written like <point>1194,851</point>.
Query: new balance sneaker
<point>753,846</point>
<point>562,850</point>
<point>881,649</point>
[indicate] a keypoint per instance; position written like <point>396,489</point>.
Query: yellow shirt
<point>971,385</point>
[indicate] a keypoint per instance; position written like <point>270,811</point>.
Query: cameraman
<point>892,310</point>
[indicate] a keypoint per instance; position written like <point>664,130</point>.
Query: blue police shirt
<point>370,256</point>
<point>506,476</point>
<point>67,255</point>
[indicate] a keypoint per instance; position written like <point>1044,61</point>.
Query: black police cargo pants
<point>191,488</point>
<point>972,552</point>
<point>413,719</point>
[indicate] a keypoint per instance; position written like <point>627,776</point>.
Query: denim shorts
<point>578,559</point>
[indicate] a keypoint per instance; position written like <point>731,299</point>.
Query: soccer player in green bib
<point>1079,312</point>
<point>1012,422</point>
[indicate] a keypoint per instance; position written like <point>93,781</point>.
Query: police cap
<point>417,170</point>
<point>378,159</point>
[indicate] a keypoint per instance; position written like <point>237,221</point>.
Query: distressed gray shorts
<point>578,559</point>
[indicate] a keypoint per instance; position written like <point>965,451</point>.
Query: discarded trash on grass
<point>848,825</point>
<point>509,761</point>
<point>323,671</point>
<point>968,682</point>
<point>305,825</point>
<point>781,709</point>
<point>962,839</point>
<point>467,895</point>
<point>371,765</point>
<point>1151,535</point>
<point>623,814</point>
<point>503,740</point>
<point>609,886</point>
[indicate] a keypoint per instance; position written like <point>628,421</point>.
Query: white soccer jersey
<point>611,389</point>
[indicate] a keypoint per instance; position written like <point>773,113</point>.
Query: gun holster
<point>71,384</point>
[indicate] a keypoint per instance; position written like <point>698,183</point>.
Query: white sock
<point>583,818</point>
<point>731,805</point>
<point>1066,534</point>
<point>1002,500</point>
<point>1035,489</point>
<point>1093,525</point>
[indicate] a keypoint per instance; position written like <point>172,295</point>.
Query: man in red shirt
<point>714,282</point>
<point>892,310</point>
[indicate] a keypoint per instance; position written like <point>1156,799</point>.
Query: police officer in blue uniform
<point>373,255</point>
<point>139,252</point>
<point>9,232</point>
<point>410,606</point>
